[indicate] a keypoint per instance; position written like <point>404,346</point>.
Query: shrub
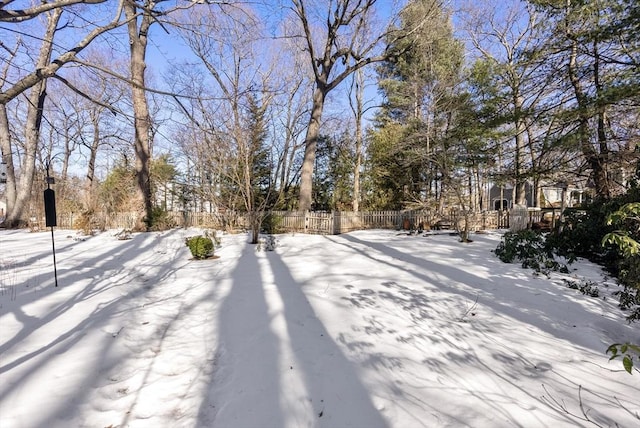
<point>584,230</point>
<point>629,277</point>
<point>582,233</point>
<point>84,222</point>
<point>589,288</point>
<point>268,243</point>
<point>627,241</point>
<point>530,248</point>
<point>271,223</point>
<point>200,246</point>
<point>161,220</point>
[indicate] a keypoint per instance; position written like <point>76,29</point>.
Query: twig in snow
<point>463,317</point>
<point>560,405</point>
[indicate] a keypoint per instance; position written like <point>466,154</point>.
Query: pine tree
<point>418,85</point>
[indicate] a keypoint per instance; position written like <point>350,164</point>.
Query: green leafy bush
<point>629,277</point>
<point>627,352</point>
<point>529,248</point>
<point>200,246</point>
<point>519,245</point>
<point>626,239</point>
<point>584,230</point>
<point>581,235</point>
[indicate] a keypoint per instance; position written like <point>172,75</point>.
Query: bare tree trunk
<point>142,119</point>
<point>91,167</point>
<point>17,213</point>
<point>17,216</point>
<point>345,41</point>
<point>359,138</point>
<point>68,149</point>
<point>310,143</point>
<point>520,182</point>
<point>7,158</point>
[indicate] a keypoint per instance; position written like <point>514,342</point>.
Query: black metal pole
<point>55,269</point>
<point>50,211</point>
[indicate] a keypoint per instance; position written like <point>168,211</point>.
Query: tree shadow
<point>245,385</point>
<point>95,268</point>
<point>455,280</point>
<point>92,327</point>
<point>333,382</point>
<point>432,306</point>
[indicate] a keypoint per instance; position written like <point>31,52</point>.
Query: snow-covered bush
<point>267,243</point>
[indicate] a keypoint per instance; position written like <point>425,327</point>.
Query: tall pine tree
<point>418,85</point>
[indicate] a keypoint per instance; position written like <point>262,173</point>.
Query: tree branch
<point>20,15</point>
<point>50,70</point>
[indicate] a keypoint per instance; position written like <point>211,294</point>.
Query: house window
<point>500,204</point>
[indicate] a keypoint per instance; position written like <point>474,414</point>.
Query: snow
<point>367,329</point>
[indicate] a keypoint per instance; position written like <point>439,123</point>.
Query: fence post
<point>518,218</point>
<point>337,226</point>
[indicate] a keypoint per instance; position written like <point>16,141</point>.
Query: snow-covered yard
<point>367,329</point>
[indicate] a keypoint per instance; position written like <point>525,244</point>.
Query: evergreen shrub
<point>200,246</point>
<point>271,223</point>
<point>161,220</point>
<point>530,248</point>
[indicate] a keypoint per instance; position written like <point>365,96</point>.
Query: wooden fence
<point>326,223</point>
<point>524,218</point>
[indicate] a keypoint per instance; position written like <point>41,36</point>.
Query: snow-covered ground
<point>366,329</point>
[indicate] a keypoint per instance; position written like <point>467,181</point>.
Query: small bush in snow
<point>589,288</point>
<point>200,246</point>
<point>528,247</point>
<point>267,243</point>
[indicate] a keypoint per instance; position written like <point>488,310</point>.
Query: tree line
<point>342,105</point>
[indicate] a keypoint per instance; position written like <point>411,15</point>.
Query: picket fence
<point>313,222</point>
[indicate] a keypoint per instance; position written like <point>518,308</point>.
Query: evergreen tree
<point>596,47</point>
<point>333,173</point>
<point>259,154</point>
<point>255,167</point>
<point>418,86</point>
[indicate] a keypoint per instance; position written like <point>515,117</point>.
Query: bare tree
<point>138,31</point>
<point>289,114</point>
<point>232,114</point>
<point>357,106</point>
<point>5,137</point>
<point>35,107</point>
<point>45,66</point>
<point>345,45</point>
<point>97,113</point>
<point>140,18</point>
